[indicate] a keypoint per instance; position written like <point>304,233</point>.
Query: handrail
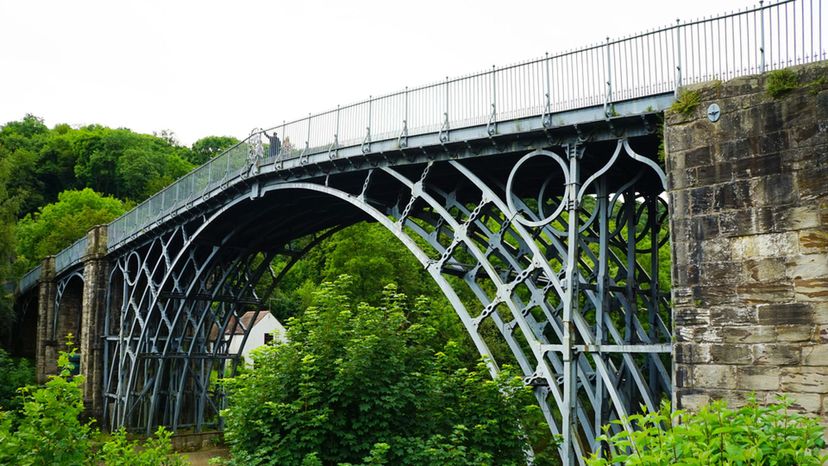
<point>657,61</point>
<point>71,255</point>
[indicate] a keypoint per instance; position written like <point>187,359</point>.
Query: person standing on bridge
<point>275,144</point>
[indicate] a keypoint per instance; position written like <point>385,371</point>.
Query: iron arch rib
<point>572,298</point>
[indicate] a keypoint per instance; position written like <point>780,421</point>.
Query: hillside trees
<point>38,164</point>
<point>115,162</point>
<point>124,164</point>
<point>56,226</point>
<point>8,213</point>
<point>208,147</point>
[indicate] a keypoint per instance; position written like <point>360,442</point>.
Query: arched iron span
<point>549,273</point>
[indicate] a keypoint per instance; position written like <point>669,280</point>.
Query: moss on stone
<point>780,82</point>
<point>686,102</point>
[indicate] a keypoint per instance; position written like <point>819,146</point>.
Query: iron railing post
<point>761,36</point>
<point>284,142</point>
<point>402,139</point>
<point>307,140</point>
<point>334,151</point>
<point>608,68</point>
<point>366,143</point>
<point>678,57</point>
<point>546,119</point>
<point>443,135</point>
<point>491,127</point>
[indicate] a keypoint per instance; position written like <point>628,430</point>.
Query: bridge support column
<point>45,356</point>
<point>95,273</point>
<point>749,226</point>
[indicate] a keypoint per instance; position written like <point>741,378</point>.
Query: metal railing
<point>659,61</point>
<point>30,279</point>
<point>71,255</point>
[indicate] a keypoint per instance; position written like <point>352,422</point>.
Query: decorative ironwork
<point>561,282</point>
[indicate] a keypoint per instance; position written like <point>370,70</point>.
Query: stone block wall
<point>95,274</point>
<point>81,314</point>
<point>749,229</point>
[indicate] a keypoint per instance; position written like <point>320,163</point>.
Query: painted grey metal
<point>636,67</point>
<point>71,255</point>
<point>30,279</point>
<point>552,285</point>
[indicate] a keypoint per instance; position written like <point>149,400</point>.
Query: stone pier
<point>749,228</point>
<point>95,275</point>
<point>77,311</point>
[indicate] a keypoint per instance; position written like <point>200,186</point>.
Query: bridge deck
<point>589,93</point>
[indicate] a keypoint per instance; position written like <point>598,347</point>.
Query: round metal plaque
<point>714,112</point>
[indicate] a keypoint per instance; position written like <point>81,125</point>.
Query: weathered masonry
<point>749,223</point>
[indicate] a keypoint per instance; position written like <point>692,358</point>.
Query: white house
<point>263,330</point>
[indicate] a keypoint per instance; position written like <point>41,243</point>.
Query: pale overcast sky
<point>210,67</point>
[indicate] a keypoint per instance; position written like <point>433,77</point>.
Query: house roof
<point>245,322</point>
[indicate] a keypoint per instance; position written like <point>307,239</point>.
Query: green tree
<point>208,147</point>
<point>357,382</point>
<point>142,172</point>
<point>8,213</point>
<point>14,373</point>
<point>58,225</point>
<point>124,164</point>
<point>48,431</point>
<point>717,435</point>
<point>22,134</point>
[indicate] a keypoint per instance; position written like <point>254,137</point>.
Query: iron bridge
<point>533,194</point>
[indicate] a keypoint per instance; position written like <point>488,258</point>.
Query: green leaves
<point>360,384</point>
<point>208,147</point>
<point>58,225</point>
<point>717,435</point>
<point>156,451</point>
<point>47,431</point>
<point>14,373</point>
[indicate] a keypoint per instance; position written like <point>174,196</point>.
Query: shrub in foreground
<point>14,373</point>
<point>718,435</point>
<point>47,430</point>
<point>357,383</point>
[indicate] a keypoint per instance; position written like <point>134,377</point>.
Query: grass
<point>780,82</point>
<point>686,103</point>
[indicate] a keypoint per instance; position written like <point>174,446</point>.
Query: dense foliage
<point>14,373</point>
<point>54,226</point>
<point>206,148</point>
<point>358,382</point>
<point>60,181</point>
<point>717,435</point>
<point>47,430</point>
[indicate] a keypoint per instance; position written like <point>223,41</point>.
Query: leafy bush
<point>686,102</point>
<point>360,383</point>
<point>14,373</point>
<point>56,226</point>
<point>780,82</point>
<point>156,451</point>
<point>48,427</point>
<point>717,435</point>
<point>47,430</point>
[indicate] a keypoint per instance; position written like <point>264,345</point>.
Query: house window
<point>268,338</point>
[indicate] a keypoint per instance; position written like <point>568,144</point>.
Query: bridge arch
<point>503,277</point>
<point>68,313</point>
